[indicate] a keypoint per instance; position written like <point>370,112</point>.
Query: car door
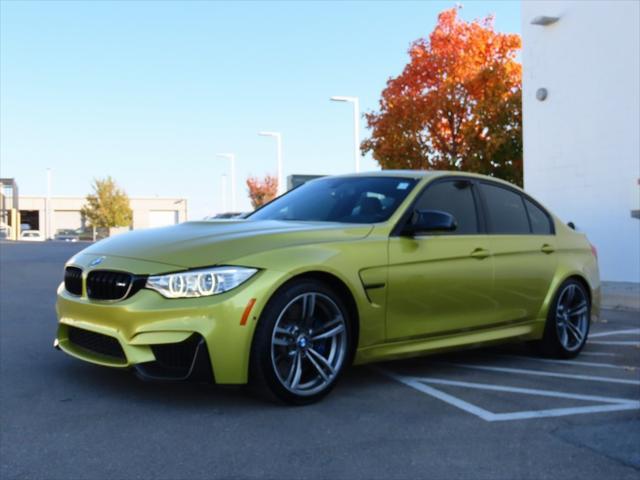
<point>441,283</point>
<point>523,243</point>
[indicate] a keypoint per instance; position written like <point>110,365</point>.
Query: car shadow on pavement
<point>84,380</point>
<point>124,385</point>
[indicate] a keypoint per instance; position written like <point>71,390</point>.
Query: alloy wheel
<point>572,317</point>
<point>309,343</point>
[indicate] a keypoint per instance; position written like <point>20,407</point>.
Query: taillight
<point>594,251</point>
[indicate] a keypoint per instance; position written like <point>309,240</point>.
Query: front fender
<point>342,260</point>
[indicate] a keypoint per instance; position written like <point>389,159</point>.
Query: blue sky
<point>148,92</point>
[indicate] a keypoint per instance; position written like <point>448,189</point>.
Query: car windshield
<point>340,199</point>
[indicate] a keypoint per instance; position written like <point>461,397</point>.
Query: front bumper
<point>146,322</point>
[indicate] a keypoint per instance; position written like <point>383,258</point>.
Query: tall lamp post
<point>356,126</point>
<point>223,181</point>
<point>232,160</point>
<point>280,176</point>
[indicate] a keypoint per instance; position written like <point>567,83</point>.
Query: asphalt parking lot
<point>492,413</point>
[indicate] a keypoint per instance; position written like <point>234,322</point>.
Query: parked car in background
<point>85,234</point>
<point>89,234</point>
<point>361,268</point>
<point>67,235</point>
<point>5,232</point>
<point>32,236</point>
<point>227,216</point>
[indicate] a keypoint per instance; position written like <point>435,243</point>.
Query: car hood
<point>198,244</point>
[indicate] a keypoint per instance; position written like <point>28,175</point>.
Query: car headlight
<point>199,283</point>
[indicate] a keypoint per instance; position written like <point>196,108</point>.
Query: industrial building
<point>581,118</point>
<point>64,213</point>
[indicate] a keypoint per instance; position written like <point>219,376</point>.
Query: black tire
<point>269,362</point>
<point>554,343</point>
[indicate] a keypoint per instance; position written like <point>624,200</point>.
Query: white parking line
<point>572,362</point>
<point>610,404</point>
<point>427,385</point>
<point>526,391</point>
<point>599,354</point>
<point>542,373</point>
<point>561,412</point>
<point>445,397</point>
<point>630,331</point>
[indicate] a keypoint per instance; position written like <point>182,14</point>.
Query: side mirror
<point>430,221</point>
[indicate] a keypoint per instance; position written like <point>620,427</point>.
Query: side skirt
<point>529,330</point>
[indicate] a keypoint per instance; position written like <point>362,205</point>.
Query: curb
<point>621,296</point>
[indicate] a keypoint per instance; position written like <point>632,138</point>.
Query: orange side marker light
<point>247,311</point>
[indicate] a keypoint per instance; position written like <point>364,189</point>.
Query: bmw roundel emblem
<point>97,261</point>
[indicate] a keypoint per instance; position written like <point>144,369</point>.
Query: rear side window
<point>506,211</point>
<point>455,198</point>
<point>540,222</point>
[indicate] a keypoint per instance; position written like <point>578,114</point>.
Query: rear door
<point>441,283</point>
<point>523,243</point>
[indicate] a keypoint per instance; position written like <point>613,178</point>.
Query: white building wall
<point>66,211</point>
<point>581,145</point>
<point>144,208</point>
<point>67,219</point>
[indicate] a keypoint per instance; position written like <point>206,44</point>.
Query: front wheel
<point>568,321</point>
<point>301,344</point>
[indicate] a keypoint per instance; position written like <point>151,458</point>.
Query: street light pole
<point>232,160</point>
<point>223,179</point>
<point>280,175</point>
<point>356,126</point>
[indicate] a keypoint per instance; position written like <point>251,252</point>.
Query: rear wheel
<point>568,321</point>
<point>301,344</point>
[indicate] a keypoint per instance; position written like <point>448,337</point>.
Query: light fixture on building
<point>541,94</point>
<point>544,20</point>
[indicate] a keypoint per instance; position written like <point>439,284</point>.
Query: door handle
<point>480,253</point>
<point>546,248</point>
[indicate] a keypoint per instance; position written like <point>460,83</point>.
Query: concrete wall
<point>147,212</point>
<point>581,145</point>
<point>3,210</point>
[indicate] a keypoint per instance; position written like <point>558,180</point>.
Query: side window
<point>455,198</point>
<point>540,221</point>
<point>506,211</point>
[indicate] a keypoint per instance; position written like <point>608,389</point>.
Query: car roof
<point>420,174</point>
<point>417,174</point>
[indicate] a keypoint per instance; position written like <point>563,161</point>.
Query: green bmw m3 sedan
<point>346,269</point>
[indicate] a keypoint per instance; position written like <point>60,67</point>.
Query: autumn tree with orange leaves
<point>262,191</point>
<point>456,106</point>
